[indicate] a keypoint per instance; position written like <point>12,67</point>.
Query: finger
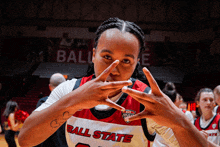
<point>144,101</point>
<point>153,84</point>
<point>107,71</point>
<point>113,105</point>
<point>137,94</point>
<point>138,116</point>
<point>116,84</point>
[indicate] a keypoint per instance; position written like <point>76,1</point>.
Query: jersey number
<point>82,145</point>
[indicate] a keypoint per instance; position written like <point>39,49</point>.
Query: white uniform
<point>86,129</point>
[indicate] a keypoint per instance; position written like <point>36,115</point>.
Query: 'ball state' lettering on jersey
<point>93,128</point>
<point>212,129</point>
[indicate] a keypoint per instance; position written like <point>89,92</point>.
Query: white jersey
<point>211,127</point>
<point>87,130</point>
<point>160,142</point>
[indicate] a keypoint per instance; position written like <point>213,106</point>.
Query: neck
<point>206,116</point>
<point>114,93</point>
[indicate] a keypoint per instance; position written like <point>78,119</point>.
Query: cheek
<point>100,66</point>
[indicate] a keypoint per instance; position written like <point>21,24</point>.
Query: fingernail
<point>129,81</point>
<point>145,69</point>
<point>123,109</point>
<point>126,119</point>
<point>116,61</point>
<point>125,87</point>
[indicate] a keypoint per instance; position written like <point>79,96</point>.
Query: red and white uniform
<point>93,128</point>
<point>217,109</point>
<point>212,128</point>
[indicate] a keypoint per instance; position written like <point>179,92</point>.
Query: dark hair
<point>129,27</point>
<point>197,98</point>
<point>10,108</point>
<point>170,90</point>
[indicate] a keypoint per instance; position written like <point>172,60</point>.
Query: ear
<point>93,54</point>
<point>50,87</point>
<point>197,103</point>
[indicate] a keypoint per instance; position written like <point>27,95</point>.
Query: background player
<point>208,121</point>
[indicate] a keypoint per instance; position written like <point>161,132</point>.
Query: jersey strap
<point>212,125</point>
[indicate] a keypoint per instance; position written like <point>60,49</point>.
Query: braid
<point>118,23</point>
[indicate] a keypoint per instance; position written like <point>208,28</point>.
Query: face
<point>178,101</point>
<point>183,106</point>
<point>217,98</point>
<point>115,45</point>
<point>206,102</point>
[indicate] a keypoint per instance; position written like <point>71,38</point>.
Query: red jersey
<point>108,128</point>
<point>212,128</point>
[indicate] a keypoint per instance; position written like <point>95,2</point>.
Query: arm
<point>14,125</point>
<point>162,110</point>
<point>0,128</point>
<point>40,125</point>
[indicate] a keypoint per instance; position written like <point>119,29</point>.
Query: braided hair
<point>122,26</point>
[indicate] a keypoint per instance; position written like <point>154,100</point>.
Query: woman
<point>170,90</point>
<point>13,125</point>
<point>208,121</point>
<point>87,104</point>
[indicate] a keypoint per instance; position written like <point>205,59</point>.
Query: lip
<point>208,107</point>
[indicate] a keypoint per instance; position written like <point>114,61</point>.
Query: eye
<point>126,61</point>
<point>108,57</point>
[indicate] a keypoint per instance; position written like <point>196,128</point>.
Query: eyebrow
<point>127,55</point>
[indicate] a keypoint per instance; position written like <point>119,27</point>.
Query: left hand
<point>158,106</point>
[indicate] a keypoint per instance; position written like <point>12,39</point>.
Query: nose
<point>208,101</point>
<point>115,71</point>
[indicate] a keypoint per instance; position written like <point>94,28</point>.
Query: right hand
<point>96,91</point>
<point>158,106</point>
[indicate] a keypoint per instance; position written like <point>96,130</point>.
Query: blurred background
<point>41,37</point>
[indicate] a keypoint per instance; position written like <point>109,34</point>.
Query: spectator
<point>58,138</point>
<point>13,125</point>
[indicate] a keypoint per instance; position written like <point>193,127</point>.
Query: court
<point>3,142</point>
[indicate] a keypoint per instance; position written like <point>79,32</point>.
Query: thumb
<point>113,105</point>
<point>138,116</point>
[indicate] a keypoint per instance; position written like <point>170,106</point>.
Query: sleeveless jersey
<point>93,128</point>
<point>212,129</point>
<point>218,110</point>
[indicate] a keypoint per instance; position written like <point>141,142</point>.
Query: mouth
<point>208,107</point>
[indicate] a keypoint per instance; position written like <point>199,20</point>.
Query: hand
<point>158,106</point>
<point>96,91</point>
<point>205,134</point>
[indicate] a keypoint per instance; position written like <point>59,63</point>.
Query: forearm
<point>188,135</point>
<point>42,124</point>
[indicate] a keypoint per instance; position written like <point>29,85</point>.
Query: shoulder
<point>11,116</point>
<point>66,86</point>
<point>216,108</point>
<point>43,98</point>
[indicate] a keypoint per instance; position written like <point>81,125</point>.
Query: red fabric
<point>21,115</point>
<point>9,123</point>
<point>129,103</point>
